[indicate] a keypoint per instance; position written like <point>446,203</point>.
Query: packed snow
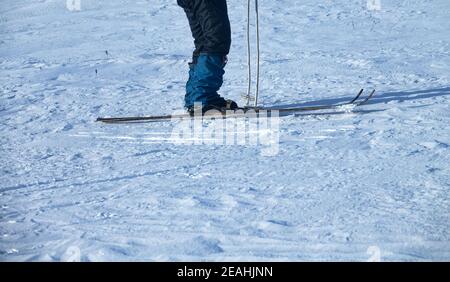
<point>356,186</point>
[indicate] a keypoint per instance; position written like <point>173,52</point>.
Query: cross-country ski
<point>241,112</point>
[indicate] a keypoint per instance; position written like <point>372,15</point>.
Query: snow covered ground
<point>341,187</point>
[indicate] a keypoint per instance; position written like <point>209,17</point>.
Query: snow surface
<point>341,187</point>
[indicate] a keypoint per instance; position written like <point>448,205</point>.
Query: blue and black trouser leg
<point>210,27</point>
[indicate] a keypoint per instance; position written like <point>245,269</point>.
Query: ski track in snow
<point>340,187</point>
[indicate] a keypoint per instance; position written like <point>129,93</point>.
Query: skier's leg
<point>194,25</point>
<point>212,16</point>
<point>215,25</point>
<point>209,25</point>
<point>197,33</point>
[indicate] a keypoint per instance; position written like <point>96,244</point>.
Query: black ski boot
<point>227,105</point>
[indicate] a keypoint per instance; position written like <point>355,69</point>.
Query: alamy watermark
<point>375,254</point>
<point>232,128</point>
<point>73,5</point>
<point>72,254</point>
<point>374,5</point>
